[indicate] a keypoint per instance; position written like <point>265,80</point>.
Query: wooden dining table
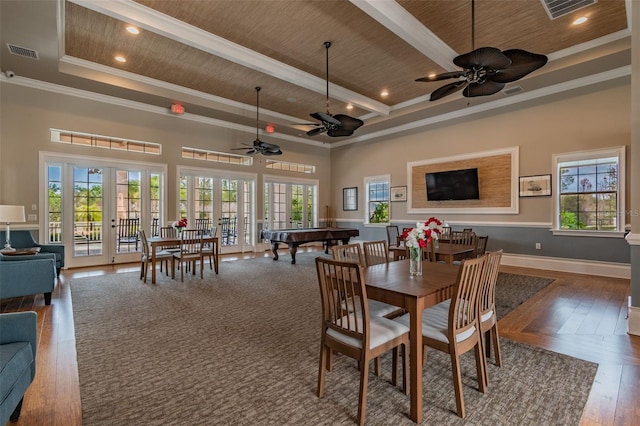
<point>446,252</point>
<point>161,242</point>
<point>391,283</point>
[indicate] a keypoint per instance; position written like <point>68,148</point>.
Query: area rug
<point>242,348</point>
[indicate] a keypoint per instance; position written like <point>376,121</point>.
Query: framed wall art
<point>350,199</point>
<point>398,193</point>
<point>535,186</point>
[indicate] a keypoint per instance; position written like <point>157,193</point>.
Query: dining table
<point>162,242</point>
<point>391,283</point>
<point>446,252</point>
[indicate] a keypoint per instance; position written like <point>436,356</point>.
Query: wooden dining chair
<point>376,252</point>
<point>128,232</point>
<point>349,328</point>
<point>452,326</point>
<point>349,253</point>
<point>481,245</point>
<point>429,252</point>
<point>488,318</point>
<point>190,252</point>
<point>209,249</point>
<point>161,256</point>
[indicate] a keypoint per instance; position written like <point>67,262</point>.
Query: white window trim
<point>618,152</point>
<point>367,181</point>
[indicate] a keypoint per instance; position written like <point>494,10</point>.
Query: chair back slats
<point>445,235</point>
<point>429,252</point>
<point>155,227</point>
<point>344,299</point>
<point>463,237</point>
<point>168,232</point>
<point>349,253</point>
<point>191,242</point>
<point>464,309</point>
<point>144,242</point>
<point>204,225</point>
<point>487,295</point>
<point>128,231</point>
<point>376,252</point>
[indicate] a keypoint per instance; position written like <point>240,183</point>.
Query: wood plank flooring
<point>579,315</point>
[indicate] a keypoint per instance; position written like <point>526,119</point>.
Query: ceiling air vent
<point>23,51</point>
<point>512,90</point>
<point>558,8</point>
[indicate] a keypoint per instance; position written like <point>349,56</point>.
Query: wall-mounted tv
<point>453,185</point>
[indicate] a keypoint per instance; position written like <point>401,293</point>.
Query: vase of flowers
<point>417,238</point>
<point>180,225</point>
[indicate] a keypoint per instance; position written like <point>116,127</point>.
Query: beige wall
<point>574,123</point>
<point>28,114</point>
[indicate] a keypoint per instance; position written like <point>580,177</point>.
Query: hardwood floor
<point>579,315</point>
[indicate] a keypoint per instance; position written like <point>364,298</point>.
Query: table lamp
<point>9,214</point>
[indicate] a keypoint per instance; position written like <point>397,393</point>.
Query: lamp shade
<point>11,214</point>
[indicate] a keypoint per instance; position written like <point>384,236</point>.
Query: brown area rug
<point>242,348</point>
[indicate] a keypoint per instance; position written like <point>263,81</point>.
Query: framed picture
<point>349,199</point>
<point>398,193</point>
<point>535,186</point>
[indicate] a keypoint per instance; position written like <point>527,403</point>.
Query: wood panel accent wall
<point>496,179</point>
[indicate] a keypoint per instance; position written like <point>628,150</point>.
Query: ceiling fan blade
<point>272,152</point>
<point>339,131</point>
<point>487,88</point>
<point>267,145</point>
<point>316,131</point>
<point>442,76</point>
<point>487,57</point>
<point>447,90</point>
<point>522,63</point>
<point>348,123</point>
<point>325,118</point>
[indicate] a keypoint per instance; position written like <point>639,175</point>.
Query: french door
<point>290,203</point>
<point>95,208</point>
<point>226,200</point>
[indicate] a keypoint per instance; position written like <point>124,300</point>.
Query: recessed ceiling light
<point>133,30</point>
<point>349,107</point>
<point>384,93</point>
<point>120,59</point>
<point>580,20</point>
<point>291,99</point>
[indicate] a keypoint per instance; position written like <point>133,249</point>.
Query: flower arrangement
<point>423,233</point>
<point>182,223</point>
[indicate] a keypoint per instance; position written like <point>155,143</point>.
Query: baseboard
<point>633,322</point>
<point>577,266</point>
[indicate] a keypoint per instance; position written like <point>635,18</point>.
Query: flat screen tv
<point>453,185</point>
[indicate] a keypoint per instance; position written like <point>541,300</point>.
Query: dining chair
<point>349,328</point>
<point>128,232</point>
<point>429,252</point>
<point>376,252</point>
<point>481,245</point>
<point>445,235</point>
<point>452,326</point>
<point>487,310</point>
<point>208,248</point>
<point>393,235</point>
<point>349,253</point>
<point>161,256</point>
<point>155,227</point>
<point>190,251</point>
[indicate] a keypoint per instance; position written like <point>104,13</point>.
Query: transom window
<point>590,188</point>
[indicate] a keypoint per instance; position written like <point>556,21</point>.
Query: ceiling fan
<point>260,147</point>
<point>486,70</point>
<point>334,125</point>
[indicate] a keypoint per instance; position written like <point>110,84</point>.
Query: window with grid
<point>377,199</point>
<point>590,188</point>
<point>203,198</point>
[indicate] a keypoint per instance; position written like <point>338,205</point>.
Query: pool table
<point>295,237</point>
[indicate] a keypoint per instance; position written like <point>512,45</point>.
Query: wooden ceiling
<point>220,50</point>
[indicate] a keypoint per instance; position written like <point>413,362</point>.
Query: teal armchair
<point>24,239</point>
<point>17,361</point>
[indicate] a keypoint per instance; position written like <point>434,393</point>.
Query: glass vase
<point>415,261</point>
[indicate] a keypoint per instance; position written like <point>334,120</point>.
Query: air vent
<point>512,90</point>
<point>558,8</point>
<point>23,51</point>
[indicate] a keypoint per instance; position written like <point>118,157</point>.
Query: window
<point>106,142</point>
<point>590,191</point>
<point>377,199</point>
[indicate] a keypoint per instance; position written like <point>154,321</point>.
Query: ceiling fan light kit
<point>334,125</point>
<point>486,70</point>
<point>260,147</point>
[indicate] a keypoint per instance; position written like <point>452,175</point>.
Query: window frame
<point>368,180</point>
<point>561,160</point>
